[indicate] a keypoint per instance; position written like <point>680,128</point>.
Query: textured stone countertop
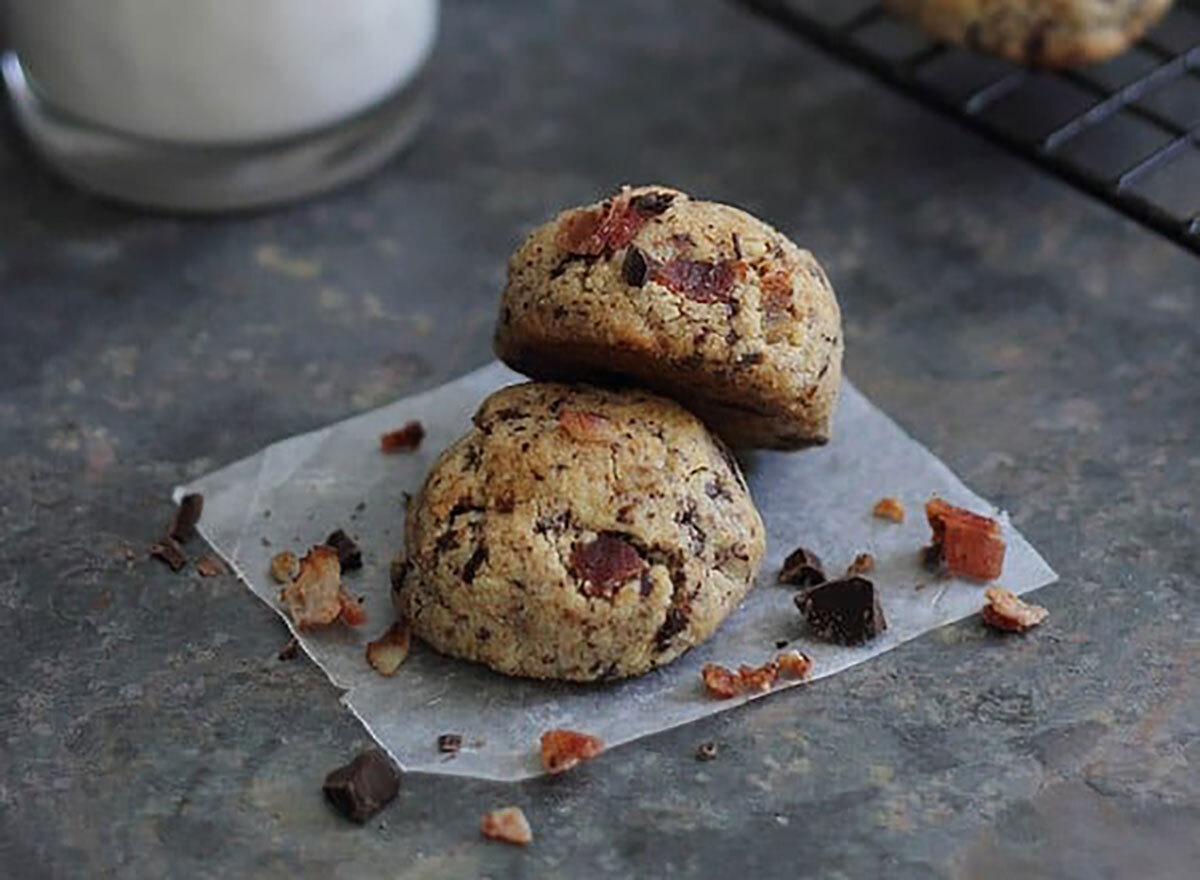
<point>1043,346</point>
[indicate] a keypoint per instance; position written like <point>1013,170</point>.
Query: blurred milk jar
<point>209,105</point>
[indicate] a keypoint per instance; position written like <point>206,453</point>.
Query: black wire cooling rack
<point>1127,131</point>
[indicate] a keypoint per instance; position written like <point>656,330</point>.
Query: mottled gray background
<point>1043,346</point>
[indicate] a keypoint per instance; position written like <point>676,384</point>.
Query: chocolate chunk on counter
<point>802,568</point>
<point>363,787</point>
<point>348,551</point>
<point>846,611</point>
<point>167,549</point>
<point>449,743</point>
<point>183,523</point>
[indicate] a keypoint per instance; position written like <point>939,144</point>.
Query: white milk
<point>219,71</point>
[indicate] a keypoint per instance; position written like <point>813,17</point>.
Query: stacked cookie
<point>599,530</point>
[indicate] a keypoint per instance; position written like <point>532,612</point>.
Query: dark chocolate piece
<point>449,742</point>
<point>846,611</point>
<point>634,268</point>
<point>802,568</point>
<point>933,558</point>
<point>363,787</point>
<point>649,204</point>
<point>183,523</point>
<point>167,549</point>
<point>348,552</point>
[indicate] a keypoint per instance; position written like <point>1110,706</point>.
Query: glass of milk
<point>212,105</point>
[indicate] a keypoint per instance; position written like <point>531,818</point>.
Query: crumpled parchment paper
<point>295,492</point>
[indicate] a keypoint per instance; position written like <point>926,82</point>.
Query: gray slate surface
<point>1044,347</point>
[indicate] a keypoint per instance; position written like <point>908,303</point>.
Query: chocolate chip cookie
<point>695,300</point>
<point>578,533</point>
<point>1048,33</point>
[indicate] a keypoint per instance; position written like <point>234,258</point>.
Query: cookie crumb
<point>313,597</point>
<point>563,749</point>
<point>403,439</point>
<point>284,567</point>
<point>706,751</point>
<point>210,565</point>
<point>509,825</point>
<point>1006,611</point>
<point>889,508</point>
<point>721,683</point>
<point>793,664</point>
<point>863,563</point>
<point>387,653</point>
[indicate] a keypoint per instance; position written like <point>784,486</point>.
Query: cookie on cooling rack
<point>1047,33</point>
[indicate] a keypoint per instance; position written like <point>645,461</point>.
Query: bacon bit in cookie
<point>403,439</point>
<point>449,743</point>
<point>776,286</point>
<point>889,508</point>
<point>970,544</point>
<point>313,598</point>
<point>168,550</point>
<point>1006,611</point>
<point>802,568</point>
<point>209,565</point>
<point>697,280</point>
<point>587,427</point>
<point>591,232</point>
<point>706,751</point>
<point>720,682</point>
<point>579,233</point>
<point>604,564</point>
<point>348,551</point>
<point>563,749</point>
<point>863,563</point>
<point>508,825</point>
<point>793,664</point>
<point>389,651</point>
<point>183,523</point>
<point>285,566</point>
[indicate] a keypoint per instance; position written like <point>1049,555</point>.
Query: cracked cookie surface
<point>578,533</point>
<point>1049,33</point>
<point>696,300</point>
